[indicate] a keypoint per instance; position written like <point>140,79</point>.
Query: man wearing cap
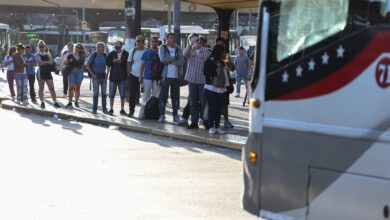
<point>134,72</point>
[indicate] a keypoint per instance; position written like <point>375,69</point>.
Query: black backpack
<point>156,67</point>
<point>152,108</point>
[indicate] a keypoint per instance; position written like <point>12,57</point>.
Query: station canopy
<point>228,4</point>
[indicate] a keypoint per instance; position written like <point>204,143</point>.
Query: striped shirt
<point>195,64</point>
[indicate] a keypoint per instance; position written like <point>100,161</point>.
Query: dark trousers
<point>187,110</point>
<point>65,81</point>
<point>215,101</point>
<point>133,92</point>
<point>31,83</point>
<point>197,97</point>
<point>174,84</point>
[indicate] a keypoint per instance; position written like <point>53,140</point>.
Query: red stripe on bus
<point>347,74</point>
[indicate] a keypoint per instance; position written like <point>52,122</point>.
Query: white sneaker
<point>237,95</point>
<point>220,131</point>
<point>212,131</point>
<point>161,119</point>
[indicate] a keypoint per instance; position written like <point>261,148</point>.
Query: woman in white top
<point>9,63</point>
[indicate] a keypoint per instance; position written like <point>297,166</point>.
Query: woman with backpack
<point>97,66</point>
<point>45,63</point>
<point>217,81</point>
<point>76,75</point>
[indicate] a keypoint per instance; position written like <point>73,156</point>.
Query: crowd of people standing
<point>159,71</point>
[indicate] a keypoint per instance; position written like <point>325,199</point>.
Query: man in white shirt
<point>134,72</point>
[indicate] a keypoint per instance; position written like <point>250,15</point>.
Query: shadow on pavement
<point>190,146</point>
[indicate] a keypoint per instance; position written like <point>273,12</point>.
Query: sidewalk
<point>234,139</point>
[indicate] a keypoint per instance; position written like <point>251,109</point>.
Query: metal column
<point>224,23</point>
<point>133,22</point>
<point>176,21</point>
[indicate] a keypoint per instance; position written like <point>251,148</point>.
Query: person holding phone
<point>196,57</point>
<point>117,62</point>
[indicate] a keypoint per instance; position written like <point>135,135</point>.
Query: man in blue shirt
<point>97,65</point>
<point>149,59</point>
<point>30,68</point>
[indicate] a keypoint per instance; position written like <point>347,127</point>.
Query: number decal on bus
<point>382,74</point>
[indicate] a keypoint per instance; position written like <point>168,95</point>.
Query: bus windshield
<point>98,36</point>
<point>3,34</point>
<point>322,19</point>
<point>116,35</point>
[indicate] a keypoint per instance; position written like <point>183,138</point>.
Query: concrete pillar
<point>177,21</point>
<point>133,22</point>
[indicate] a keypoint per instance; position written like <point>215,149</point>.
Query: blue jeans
<point>215,101</point>
<point>174,83</point>
<point>121,85</point>
<point>196,97</point>
<point>103,85</point>
<point>239,78</point>
<point>76,76</point>
<point>21,87</point>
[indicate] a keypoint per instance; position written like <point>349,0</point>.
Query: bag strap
<point>132,54</point>
<point>93,59</point>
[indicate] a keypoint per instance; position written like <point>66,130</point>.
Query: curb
<point>153,131</point>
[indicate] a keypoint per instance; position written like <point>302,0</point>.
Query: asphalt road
<point>58,169</point>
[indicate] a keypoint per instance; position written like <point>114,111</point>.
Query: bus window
<point>323,19</point>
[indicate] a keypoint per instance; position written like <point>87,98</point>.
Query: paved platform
<point>234,139</point>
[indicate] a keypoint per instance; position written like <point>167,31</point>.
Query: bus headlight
<point>255,103</point>
<point>253,157</point>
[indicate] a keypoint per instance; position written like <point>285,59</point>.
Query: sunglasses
<point>41,46</point>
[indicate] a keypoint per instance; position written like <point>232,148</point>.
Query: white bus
<point>5,40</point>
<point>319,140</point>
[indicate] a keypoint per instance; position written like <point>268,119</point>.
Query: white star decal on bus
<point>285,77</point>
<point>340,52</point>
<point>299,71</point>
<point>311,64</point>
<point>325,58</point>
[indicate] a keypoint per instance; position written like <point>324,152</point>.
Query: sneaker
<point>220,131</point>
<point>105,111</point>
<point>42,105</point>
<point>25,102</point>
<point>176,119</point>
<point>57,105</point>
<point>206,124</point>
<point>183,121</point>
<point>161,119</point>
<point>94,112</point>
<point>123,113</point>
<point>212,131</point>
<point>193,126</point>
<point>228,125</point>
<point>111,112</point>
<point>237,95</point>
<point>69,105</point>
<point>131,114</point>
<point>34,101</point>
<point>13,98</point>
<point>76,104</point>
